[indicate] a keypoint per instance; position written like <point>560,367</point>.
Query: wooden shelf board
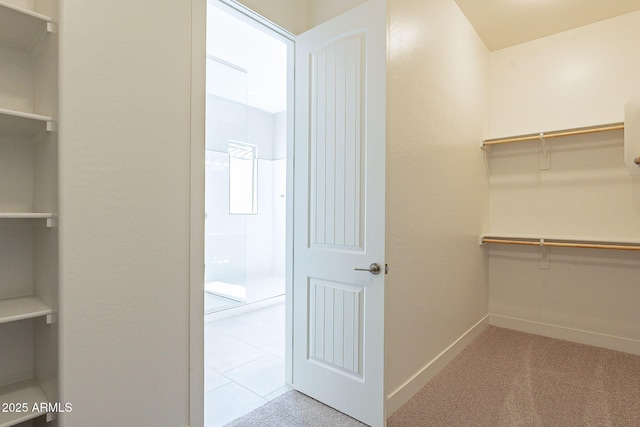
<point>552,237</point>
<point>555,134</point>
<point>21,392</point>
<point>577,242</point>
<point>26,215</point>
<point>14,309</point>
<point>23,125</point>
<point>22,10</point>
<point>21,28</point>
<point>22,114</point>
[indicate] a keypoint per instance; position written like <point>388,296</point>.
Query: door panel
<point>335,339</point>
<point>338,313</point>
<point>336,78</point>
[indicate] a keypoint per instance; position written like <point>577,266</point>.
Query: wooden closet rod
<point>577,131</point>
<point>566,244</point>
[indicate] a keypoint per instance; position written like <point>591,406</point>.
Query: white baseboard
<point>595,339</point>
<point>406,391</point>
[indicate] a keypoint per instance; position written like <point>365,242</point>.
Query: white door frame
<point>196,226</point>
<point>196,215</point>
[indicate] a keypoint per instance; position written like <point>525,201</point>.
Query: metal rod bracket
<point>544,256</point>
<point>545,163</point>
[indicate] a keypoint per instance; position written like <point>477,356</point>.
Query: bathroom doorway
<point>246,160</point>
<point>248,133</point>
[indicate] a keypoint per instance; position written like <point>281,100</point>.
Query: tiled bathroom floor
<point>257,289</point>
<point>244,363</point>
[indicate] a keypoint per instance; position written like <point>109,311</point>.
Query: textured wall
<point>581,77</point>
<point>124,212</point>
<point>436,184</point>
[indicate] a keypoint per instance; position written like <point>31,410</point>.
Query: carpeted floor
<point>503,378</point>
<point>294,409</point>
<point>509,378</point>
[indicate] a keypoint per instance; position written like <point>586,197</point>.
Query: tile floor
<point>257,289</point>
<point>244,363</point>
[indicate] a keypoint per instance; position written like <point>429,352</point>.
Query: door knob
<point>373,269</point>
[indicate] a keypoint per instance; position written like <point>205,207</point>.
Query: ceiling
<point>245,64</point>
<point>504,23</point>
<point>258,61</point>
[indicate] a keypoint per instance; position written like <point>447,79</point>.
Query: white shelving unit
<point>21,28</point>
<point>21,392</point>
<point>25,215</point>
<point>28,253</point>
<point>21,308</point>
<point>22,125</point>
<point>46,219</point>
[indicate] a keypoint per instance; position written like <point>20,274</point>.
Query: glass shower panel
<point>225,234</point>
<point>246,141</point>
<point>225,237</point>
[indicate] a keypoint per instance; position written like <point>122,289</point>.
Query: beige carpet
<point>294,409</point>
<point>509,378</point>
<point>503,378</point>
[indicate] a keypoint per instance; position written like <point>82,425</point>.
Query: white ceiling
<point>504,23</point>
<point>500,23</point>
<point>256,70</point>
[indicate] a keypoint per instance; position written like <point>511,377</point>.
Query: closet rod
<point>543,242</point>
<point>577,131</point>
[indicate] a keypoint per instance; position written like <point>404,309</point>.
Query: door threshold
<point>244,308</point>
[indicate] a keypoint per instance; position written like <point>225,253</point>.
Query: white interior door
<point>338,313</point>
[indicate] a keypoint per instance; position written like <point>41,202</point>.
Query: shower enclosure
<point>245,199</point>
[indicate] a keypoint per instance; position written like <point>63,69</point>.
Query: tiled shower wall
<point>245,247</point>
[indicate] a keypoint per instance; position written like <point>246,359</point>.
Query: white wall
<point>124,212</point>
<point>436,188</point>
<point>297,16</point>
<point>292,15</point>
<point>323,10</point>
<point>581,77</point>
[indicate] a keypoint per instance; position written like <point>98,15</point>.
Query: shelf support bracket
<point>51,319</point>
<point>544,256</point>
<point>545,163</point>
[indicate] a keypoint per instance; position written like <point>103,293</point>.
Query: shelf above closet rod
<point>563,243</point>
<point>555,134</point>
